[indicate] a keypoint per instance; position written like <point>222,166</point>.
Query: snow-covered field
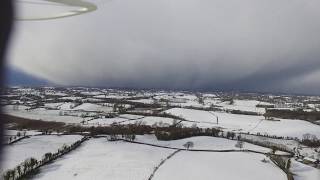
<point>247,123</point>
<point>244,105</point>
<point>152,120</point>
<point>42,114</point>
<point>35,146</point>
<point>205,119</point>
<point>224,166</point>
<point>104,121</point>
<point>209,157</point>
<point>72,98</point>
<point>102,159</point>
<point>130,116</point>
<point>14,132</point>
<point>93,107</point>
<point>203,143</point>
<point>131,119</point>
<point>304,172</point>
<point>145,101</point>
<point>99,159</point>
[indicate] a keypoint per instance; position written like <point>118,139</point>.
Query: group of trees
<point>17,136</point>
<point>231,102</point>
<point>21,170</point>
<point>273,136</point>
<point>200,99</point>
<point>310,140</point>
<point>128,136</point>
<point>265,106</point>
<point>48,132</point>
<point>239,144</point>
<point>173,133</point>
<point>273,146</point>
<point>293,114</point>
<point>119,107</point>
<point>30,165</point>
<point>114,130</point>
<point>231,135</point>
<point>250,113</point>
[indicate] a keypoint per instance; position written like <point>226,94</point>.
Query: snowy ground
<point>104,121</point>
<point>290,144</point>
<point>246,123</point>
<point>41,114</point>
<point>224,166</point>
<point>93,107</point>
<point>152,120</point>
<point>304,172</point>
<point>203,143</point>
<point>130,116</point>
<point>145,101</point>
<point>244,105</point>
<point>35,146</point>
<point>99,159</point>
<point>14,132</point>
<point>131,119</point>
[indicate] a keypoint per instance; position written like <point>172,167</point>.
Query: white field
<point>290,144</point>
<point>67,106</point>
<point>244,105</point>
<point>14,132</point>
<point>108,121</point>
<point>61,106</point>
<point>112,96</point>
<point>194,103</point>
<point>304,172</point>
<point>55,93</point>
<point>203,143</point>
<point>93,107</point>
<point>130,116</point>
<point>52,105</point>
<point>246,123</point>
<point>35,146</point>
<point>99,159</point>
<point>105,121</point>
<point>152,120</point>
<point>41,114</point>
<point>224,166</point>
<point>131,119</point>
<point>72,98</point>
<point>145,101</point>
<point>91,93</point>
<point>91,100</point>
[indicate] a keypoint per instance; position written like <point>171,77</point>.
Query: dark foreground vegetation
<point>162,133</point>
<point>22,123</point>
<point>293,114</point>
<point>31,166</point>
<point>284,164</point>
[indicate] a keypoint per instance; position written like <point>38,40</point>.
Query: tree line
<point>30,165</point>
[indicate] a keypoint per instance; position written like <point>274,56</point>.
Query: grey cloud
<point>204,44</point>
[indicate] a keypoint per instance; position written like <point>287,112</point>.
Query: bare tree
<point>188,145</point>
<point>19,170</point>
<point>239,144</point>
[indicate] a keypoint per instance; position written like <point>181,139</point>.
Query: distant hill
<point>16,77</point>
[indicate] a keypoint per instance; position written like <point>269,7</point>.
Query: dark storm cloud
<point>277,78</point>
<point>265,45</point>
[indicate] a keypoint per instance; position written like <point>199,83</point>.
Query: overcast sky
<point>263,45</point>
